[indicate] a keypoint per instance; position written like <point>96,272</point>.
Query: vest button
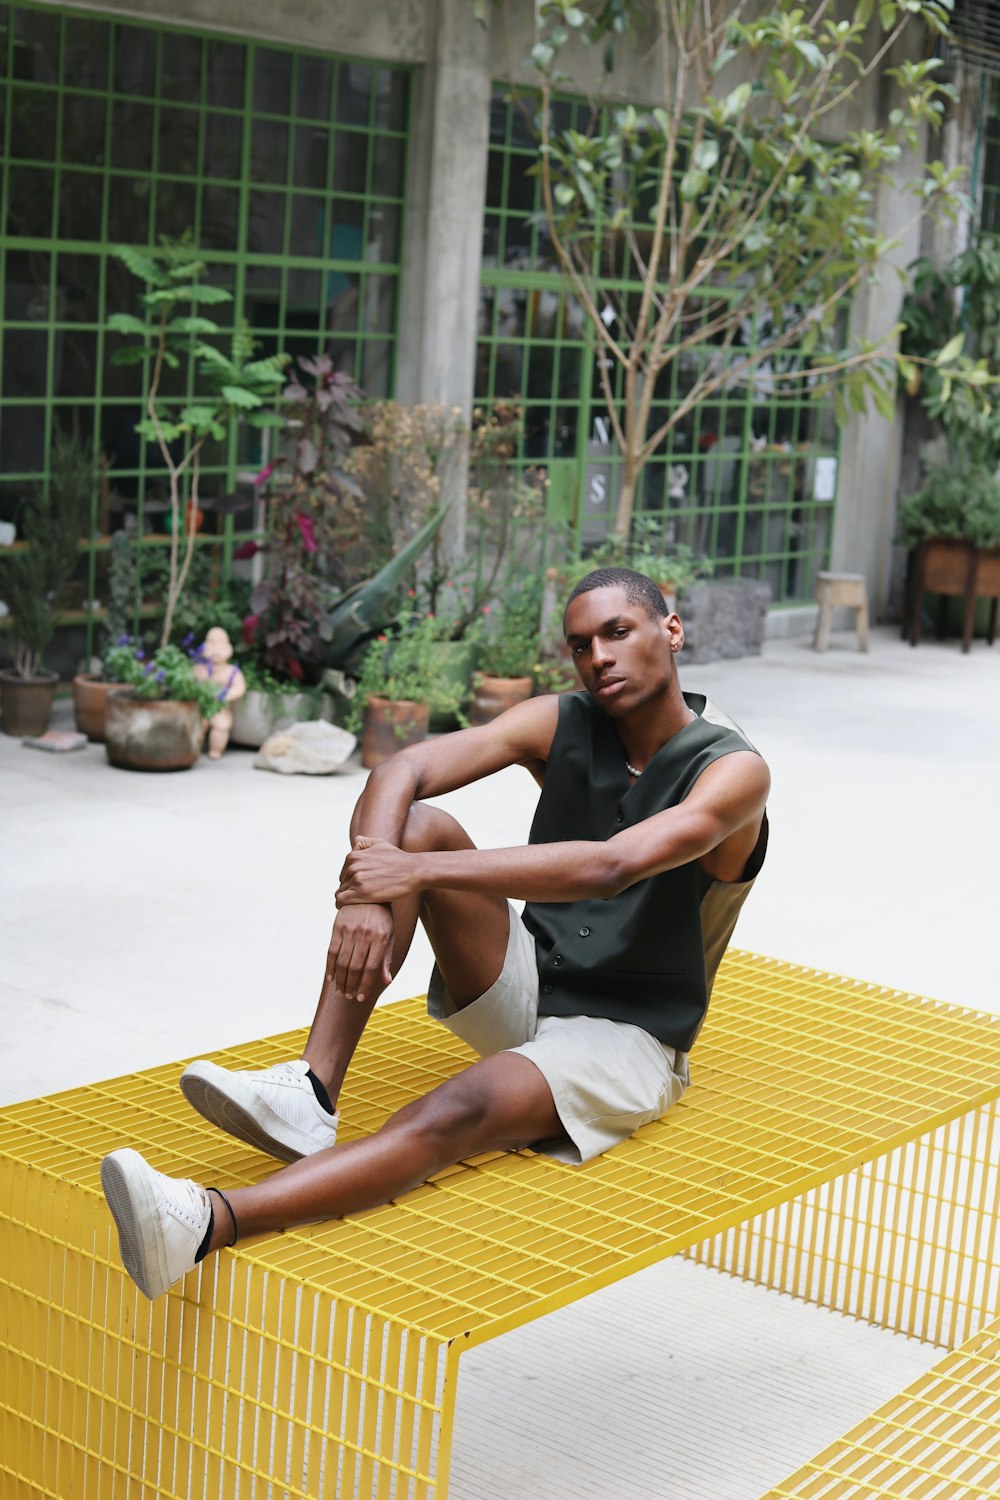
<point>585,932</point>
<point>557,960</point>
<point>546,989</point>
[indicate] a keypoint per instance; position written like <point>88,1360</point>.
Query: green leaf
<point>564,194</point>
<point>127,323</point>
<point>810,54</point>
<point>266,419</point>
<point>693,184</point>
<point>210,294</point>
<point>951,350</point>
<point>193,325</point>
<point>706,155</point>
<point>236,395</point>
<point>130,356</point>
<point>736,101</point>
<point>141,264</point>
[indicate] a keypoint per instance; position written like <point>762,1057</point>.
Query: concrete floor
<point>143,919</point>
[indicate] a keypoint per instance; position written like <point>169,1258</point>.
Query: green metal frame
<point>987,157</point>
<point>751,460</point>
<point>118,132</point>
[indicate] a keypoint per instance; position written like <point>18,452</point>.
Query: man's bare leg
<point>468,934</point>
<point>499,1103</point>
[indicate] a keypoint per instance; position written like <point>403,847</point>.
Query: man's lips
<point>609,686</point>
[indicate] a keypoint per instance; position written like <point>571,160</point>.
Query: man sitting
<point>649,831</point>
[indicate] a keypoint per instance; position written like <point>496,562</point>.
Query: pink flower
<point>264,475</point>
<point>306,528</point>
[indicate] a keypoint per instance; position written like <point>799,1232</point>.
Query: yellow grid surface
<point>352,1329</point>
<point>937,1440</point>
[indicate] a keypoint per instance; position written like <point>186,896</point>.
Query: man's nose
<point>600,652</point>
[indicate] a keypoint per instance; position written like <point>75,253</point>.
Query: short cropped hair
<point>637,588</point>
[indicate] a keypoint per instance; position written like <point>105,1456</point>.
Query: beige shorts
<point>607,1078</point>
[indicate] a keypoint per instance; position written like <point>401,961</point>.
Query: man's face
<point>623,657</point>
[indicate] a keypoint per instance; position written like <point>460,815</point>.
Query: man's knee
<point>429,828</point>
<point>450,1116</point>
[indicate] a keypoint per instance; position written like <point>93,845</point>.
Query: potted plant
<point>34,575</point>
<point>172,337</point>
<point>509,655</point>
<point>952,525</point>
<point>156,719</point>
<point>397,688</point>
<point>312,513</point>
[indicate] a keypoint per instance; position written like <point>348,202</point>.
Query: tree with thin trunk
<point>217,387</point>
<point>725,228</point>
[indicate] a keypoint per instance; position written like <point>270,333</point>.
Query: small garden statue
<point>213,666</point>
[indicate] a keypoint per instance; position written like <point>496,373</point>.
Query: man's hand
<point>360,953</point>
<point>376,871</point>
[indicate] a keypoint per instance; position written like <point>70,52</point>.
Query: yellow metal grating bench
<point>937,1440</point>
<point>323,1362</point>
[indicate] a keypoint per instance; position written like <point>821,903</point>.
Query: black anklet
<point>226,1201</point>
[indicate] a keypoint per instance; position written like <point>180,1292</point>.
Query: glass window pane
<point>86,50</point>
<point>383,233</point>
<point>387,167</point>
<point>350,162</point>
<point>135,60</point>
<point>269,149</point>
<point>312,149</point>
<point>265,229</point>
<point>83,129</point>
<point>36,48</point>
<point>272,81</point>
<point>346,219</point>
<point>79,287</point>
<point>132,135</point>
<point>225,63</point>
<point>180,66</point>
<point>25,361</point>
<point>177,141</point>
<point>342,288</point>
<point>75,362</point>
<point>312,98</point>
<point>27,285</point>
<point>308,216</point>
<point>81,205</point>
<point>390,99</point>
<point>354,82</point>
<point>33,124</point>
<point>223,145</point>
<point>128,210</point>
<point>175,209</point>
<point>29,201</point>
<point>380,304</point>
<point>220,218</point>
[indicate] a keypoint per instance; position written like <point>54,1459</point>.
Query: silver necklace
<point>631,769</point>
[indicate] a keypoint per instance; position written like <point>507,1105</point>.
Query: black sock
<point>202,1249</point>
<point>320,1092</point>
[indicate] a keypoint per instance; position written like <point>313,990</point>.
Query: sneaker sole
<point>133,1208</point>
<point>214,1093</point>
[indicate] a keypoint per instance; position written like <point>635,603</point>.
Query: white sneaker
<point>274,1109</point>
<point>161,1220</point>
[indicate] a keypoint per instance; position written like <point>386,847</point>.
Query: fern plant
<point>173,334</point>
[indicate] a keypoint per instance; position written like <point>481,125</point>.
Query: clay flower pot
<point>390,724</point>
<point>492,695</point>
<point>152,734</point>
<point>27,702</point>
<point>90,704</point>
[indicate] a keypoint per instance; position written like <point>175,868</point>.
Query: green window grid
<point>752,461</point>
<point>289,167</point>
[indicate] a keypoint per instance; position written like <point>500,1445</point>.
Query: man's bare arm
<point>728,795</point>
<point>360,947</point>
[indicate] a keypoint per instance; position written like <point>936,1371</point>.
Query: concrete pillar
<point>871,446</point>
<point>446,195</point>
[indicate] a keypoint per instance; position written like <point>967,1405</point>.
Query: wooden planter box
<point>944,566</point>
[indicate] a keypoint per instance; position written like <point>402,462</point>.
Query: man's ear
<point>673,629</point>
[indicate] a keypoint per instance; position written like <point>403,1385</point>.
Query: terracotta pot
<point>492,695</point>
<point>391,724</point>
<point>152,734</point>
<point>27,702</point>
<point>90,704</point>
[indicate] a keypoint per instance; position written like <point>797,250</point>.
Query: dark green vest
<point>638,957</point>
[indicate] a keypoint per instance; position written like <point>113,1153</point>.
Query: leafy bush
<point>961,503</point>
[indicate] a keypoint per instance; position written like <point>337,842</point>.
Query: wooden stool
<point>844,589</point>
